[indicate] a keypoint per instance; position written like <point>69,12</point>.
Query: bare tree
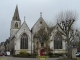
<point>65,23</point>
<point>44,36</point>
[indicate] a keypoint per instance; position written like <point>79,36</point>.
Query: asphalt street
<point>16,58</point>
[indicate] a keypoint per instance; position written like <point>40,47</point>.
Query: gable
<point>40,23</point>
<point>24,28</point>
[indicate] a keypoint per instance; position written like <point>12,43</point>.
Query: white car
<point>7,53</point>
<point>78,54</point>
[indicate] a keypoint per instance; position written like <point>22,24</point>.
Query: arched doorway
<point>42,52</point>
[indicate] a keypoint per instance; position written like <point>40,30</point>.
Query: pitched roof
<point>40,19</point>
<point>22,25</point>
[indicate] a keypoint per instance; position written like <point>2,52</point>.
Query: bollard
<point>42,57</point>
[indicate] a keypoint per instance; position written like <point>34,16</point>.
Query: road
<point>16,58</point>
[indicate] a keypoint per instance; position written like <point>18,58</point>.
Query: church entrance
<point>42,52</point>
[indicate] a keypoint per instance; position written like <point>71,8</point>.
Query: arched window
<point>16,25</point>
<point>42,44</point>
<point>40,22</point>
<point>24,41</point>
<point>57,41</point>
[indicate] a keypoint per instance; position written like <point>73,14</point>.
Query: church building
<point>24,39</point>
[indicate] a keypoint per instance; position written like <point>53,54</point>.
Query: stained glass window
<point>57,41</point>
<point>24,41</point>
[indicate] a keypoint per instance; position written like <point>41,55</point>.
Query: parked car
<point>7,53</point>
<point>78,54</point>
<point>1,54</point>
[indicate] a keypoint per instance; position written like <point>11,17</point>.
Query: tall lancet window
<point>16,25</point>
<point>57,41</point>
<point>24,41</point>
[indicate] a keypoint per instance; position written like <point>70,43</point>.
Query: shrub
<point>28,54</point>
<point>50,54</point>
<point>58,54</point>
<point>55,54</point>
<point>22,54</point>
<point>67,59</point>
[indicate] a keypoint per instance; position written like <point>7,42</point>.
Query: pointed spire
<point>16,8</point>
<point>40,14</point>
<point>16,14</point>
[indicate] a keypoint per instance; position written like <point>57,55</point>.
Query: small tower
<point>15,23</point>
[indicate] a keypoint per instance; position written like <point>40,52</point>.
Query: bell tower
<point>15,23</point>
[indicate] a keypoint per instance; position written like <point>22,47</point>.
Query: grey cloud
<point>31,10</point>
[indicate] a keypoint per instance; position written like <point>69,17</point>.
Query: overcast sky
<point>31,10</point>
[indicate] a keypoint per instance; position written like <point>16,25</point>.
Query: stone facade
<point>2,47</point>
<point>17,30</point>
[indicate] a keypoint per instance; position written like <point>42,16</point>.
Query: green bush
<point>58,54</point>
<point>28,54</point>
<point>67,59</point>
<point>50,54</point>
<point>22,54</point>
<point>55,54</point>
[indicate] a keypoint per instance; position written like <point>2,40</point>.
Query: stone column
<point>74,50</point>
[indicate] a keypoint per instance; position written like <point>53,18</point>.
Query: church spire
<point>16,14</point>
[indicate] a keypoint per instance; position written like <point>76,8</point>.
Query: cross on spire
<point>24,18</point>
<point>40,14</point>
